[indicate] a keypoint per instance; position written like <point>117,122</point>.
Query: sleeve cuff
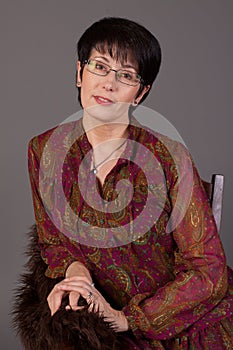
<point>136,318</point>
<point>59,271</point>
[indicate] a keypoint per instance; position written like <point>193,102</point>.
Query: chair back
<point>214,190</point>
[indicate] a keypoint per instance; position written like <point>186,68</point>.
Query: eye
<point>127,75</point>
<point>100,66</point>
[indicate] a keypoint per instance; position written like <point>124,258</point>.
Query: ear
<point>139,97</point>
<point>78,75</point>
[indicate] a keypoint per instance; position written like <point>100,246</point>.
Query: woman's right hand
<point>54,298</point>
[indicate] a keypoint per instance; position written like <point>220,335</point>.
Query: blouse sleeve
<point>56,248</point>
<point>200,272</point>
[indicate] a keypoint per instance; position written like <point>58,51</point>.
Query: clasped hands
<point>78,286</point>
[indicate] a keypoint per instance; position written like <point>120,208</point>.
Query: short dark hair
<point>121,38</point>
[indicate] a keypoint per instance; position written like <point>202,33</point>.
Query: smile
<point>103,100</point>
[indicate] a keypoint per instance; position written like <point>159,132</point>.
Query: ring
<point>92,284</point>
<point>90,295</point>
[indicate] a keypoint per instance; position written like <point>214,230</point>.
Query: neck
<point>98,132</point>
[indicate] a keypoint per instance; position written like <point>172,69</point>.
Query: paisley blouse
<point>158,256</point>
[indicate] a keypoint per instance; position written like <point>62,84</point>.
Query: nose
<point>110,80</point>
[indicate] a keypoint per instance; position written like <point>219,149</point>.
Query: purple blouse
<point>170,278</point>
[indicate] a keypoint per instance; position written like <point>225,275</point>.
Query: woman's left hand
<point>97,302</point>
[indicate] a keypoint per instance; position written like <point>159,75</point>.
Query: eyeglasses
<point>124,76</point>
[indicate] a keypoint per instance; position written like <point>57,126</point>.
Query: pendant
<point>94,171</point>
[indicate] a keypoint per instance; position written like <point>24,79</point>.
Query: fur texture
<point>65,329</point>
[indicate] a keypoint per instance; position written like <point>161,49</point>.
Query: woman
<point>160,288</point>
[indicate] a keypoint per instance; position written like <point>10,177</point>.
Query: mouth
<point>103,100</point>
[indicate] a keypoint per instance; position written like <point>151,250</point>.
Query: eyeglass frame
<point>140,82</point>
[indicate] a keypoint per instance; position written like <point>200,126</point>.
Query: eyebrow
<point>127,65</point>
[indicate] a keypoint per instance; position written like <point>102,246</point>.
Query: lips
<point>103,100</point>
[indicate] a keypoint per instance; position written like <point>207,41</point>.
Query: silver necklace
<point>96,166</point>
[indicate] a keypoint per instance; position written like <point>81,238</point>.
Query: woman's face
<point>107,90</point>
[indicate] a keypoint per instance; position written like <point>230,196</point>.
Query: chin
<point>109,113</point>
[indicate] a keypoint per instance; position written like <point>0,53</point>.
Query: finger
<point>90,298</point>
<point>96,309</point>
<point>75,286</point>
<point>68,307</point>
<point>54,306</point>
<point>54,299</point>
<point>91,307</point>
<point>115,327</point>
<point>83,279</point>
<point>73,299</point>
<point>70,287</point>
<point>83,282</point>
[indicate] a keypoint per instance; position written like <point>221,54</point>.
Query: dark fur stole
<point>81,330</point>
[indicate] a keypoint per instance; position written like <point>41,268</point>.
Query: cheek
<point>129,95</point>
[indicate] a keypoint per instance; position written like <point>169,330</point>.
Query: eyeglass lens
<point>124,76</point>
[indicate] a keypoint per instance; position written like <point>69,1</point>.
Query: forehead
<point>119,54</point>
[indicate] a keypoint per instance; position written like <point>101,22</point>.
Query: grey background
<point>38,52</point>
